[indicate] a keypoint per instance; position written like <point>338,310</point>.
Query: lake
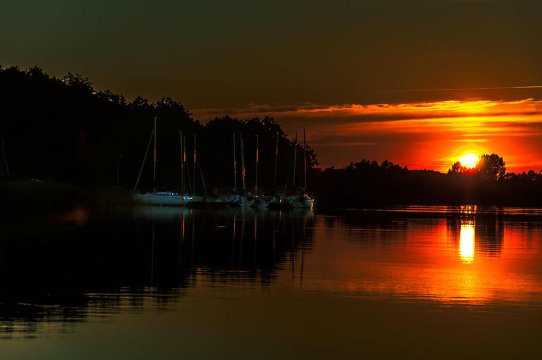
<point>161,283</point>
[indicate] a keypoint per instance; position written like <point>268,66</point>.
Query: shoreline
<point>32,197</point>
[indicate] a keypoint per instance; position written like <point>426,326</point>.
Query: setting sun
<point>469,160</point>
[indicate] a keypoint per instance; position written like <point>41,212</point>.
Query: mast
<point>194,169</point>
<point>276,160</point>
<point>304,162</point>
<point>155,156</point>
<point>234,166</point>
<point>144,160</point>
<point>185,164</point>
<point>295,161</point>
<point>182,161</point>
<point>257,160</point>
<point>243,169</point>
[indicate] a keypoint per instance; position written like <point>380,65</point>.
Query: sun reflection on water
<point>466,243</point>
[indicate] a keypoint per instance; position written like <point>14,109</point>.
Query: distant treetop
<point>491,167</point>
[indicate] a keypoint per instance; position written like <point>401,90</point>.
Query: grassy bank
<point>29,197</point>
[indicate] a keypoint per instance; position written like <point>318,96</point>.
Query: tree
<point>458,168</point>
<point>491,167</point>
<point>78,81</point>
<point>140,103</point>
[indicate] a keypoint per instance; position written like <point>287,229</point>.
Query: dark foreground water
<point>423,283</point>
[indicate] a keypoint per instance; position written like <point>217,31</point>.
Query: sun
<point>469,160</point>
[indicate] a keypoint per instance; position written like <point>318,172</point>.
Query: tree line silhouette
<point>62,130</point>
<point>369,183</point>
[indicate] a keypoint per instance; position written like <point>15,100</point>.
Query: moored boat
<point>163,198</point>
<point>301,201</point>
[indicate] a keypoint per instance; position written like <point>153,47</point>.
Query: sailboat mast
<point>155,156</point>
<point>295,160</point>
<point>276,160</point>
<point>182,161</point>
<point>304,162</point>
<point>144,160</point>
<point>234,166</point>
<point>194,169</point>
<point>257,160</point>
<point>188,184</point>
<point>243,169</point>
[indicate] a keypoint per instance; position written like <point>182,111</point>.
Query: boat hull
<point>162,199</point>
<point>292,202</point>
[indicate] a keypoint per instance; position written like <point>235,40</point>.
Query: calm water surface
<point>155,283</point>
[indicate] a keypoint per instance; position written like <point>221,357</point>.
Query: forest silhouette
<point>62,130</point>
<point>373,184</point>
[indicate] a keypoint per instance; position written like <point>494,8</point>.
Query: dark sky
<point>215,54</point>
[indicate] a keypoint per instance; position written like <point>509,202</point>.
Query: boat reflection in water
<point>228,245</point>
<point>137,261</point>
<point>428,282</point>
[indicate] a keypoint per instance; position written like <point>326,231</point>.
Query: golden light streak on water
<point>467,243</point>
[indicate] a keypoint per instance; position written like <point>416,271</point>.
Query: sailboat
<point>301,199</point>
<point>258,200</point>
<point>279,200</point>
<point>239,198</point>
<point>204,201</point>
<point>161,198</point>
<point>244,198</point>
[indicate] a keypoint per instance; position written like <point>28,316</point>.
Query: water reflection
<point>466,243</point>
<point>476,231</point>
<point>464,255</point>
<point>226,245</point>
<point>59,275</point>
<point>62,273</point>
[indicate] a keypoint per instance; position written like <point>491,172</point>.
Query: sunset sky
<point>418,82</point>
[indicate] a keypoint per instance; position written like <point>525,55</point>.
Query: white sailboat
<point>162,198</point>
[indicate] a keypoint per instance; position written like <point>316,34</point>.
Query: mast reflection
<point>137,260</point>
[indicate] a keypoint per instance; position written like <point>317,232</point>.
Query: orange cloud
<point>420,135</point>
<point>450,108</point>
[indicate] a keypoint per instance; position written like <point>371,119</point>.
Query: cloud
<point>380,112</point>
<point>521,87</point>
<point>420,134</point>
